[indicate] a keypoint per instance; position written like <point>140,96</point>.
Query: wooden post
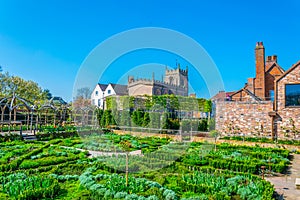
<point>263,171</point>
<point>126,168</point>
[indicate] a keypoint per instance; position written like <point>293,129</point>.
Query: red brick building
<point>268,104</point>
<point>262,86</point>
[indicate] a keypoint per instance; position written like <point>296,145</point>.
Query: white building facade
<point>101,91</point>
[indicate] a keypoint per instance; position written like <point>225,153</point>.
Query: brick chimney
<point>260,70</point>
<point>272,58</point>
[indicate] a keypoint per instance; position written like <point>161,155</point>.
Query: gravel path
<point>100,153</point>
<point>93,154</point>
<point>285,185</point>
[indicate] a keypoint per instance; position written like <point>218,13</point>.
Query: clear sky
<point>47,41</point>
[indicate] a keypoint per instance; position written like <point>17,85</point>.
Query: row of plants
<point>42,136</point>
<point>262,140</point>
<point>23,187</point>
<point>9,137</point>
<point>14,164</point>
<point>110,142</point>
<point>105,186</point>
<point>10,152</point>
<point>56,129</point>
<point>237,158</point>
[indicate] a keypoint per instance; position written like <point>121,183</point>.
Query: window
<point>292,95</point>
<point>272,95</point>
<point>108,91</point>
<point>96,93</point>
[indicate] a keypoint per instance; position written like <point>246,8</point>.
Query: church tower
<point>177,77</point>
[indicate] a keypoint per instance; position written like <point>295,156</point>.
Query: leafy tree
<point>207,106</point>
<point>47,94</point>
<point>211,124</point>
<point>146,119</point>
<point>99,115</point>
<point>164,121</point>
<point>154,120</point>
<point>28,90</point>
<point>137,117</point>
<point>125,119</point>
<point>173,123</point>
<point>202,126</point>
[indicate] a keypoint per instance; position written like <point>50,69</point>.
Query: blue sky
<point>47,41</point>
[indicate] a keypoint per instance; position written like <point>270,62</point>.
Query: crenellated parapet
<point>175,81</point>
<point>183,72</point>
<point>133,81</point>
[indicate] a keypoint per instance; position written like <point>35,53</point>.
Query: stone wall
<point>140,87</point>
<point>285,114</point>
<point>244,117</point>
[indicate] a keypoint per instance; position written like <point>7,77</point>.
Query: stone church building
<point>268,104</point>
<point>175,82</point>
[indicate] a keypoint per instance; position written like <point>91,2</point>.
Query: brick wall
<point>243,117</point>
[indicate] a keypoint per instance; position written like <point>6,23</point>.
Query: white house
<point>97,95</point>
<point>103,90</point>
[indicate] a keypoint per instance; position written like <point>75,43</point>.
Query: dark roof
<point>58,100</point>
<point>102,86</point>
<point>120,89</point>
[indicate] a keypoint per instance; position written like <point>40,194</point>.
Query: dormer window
<point>108,91</point>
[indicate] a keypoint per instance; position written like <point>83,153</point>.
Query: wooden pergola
<point>12,105</point>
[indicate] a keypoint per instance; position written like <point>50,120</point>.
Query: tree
<point>84,93</point>
<point>203,125</point>
<point>146,119</point>
<point>83,98</point>
<point>47,94</point>
<point>28,90</point>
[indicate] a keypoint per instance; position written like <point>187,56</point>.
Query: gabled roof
<point>288,71</point>
<point>119,89</point>
<point>271,65</point>
<point>222,95</point>
<point>102,86</point>
<point>248,92</point>
<point>58,100</point>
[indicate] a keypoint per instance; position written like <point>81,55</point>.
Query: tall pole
<point>31,120</point>
<point>126,168</point>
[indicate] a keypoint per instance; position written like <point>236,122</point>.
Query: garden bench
<point>297,183</point>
